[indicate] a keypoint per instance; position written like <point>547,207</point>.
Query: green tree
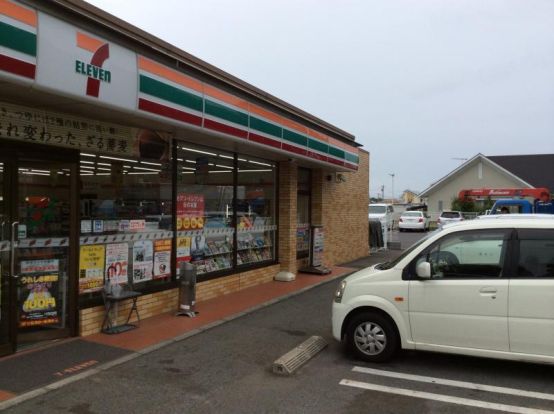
<point>467,206</point>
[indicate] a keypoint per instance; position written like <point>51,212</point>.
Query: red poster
<point>190,211</point>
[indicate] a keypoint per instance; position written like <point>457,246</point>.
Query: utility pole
<point>392,189</point>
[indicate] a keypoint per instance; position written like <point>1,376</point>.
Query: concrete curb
<point>119,361</point>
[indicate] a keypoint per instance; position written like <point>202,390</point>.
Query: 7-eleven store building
<point>122,156</point>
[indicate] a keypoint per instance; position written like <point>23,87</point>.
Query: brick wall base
<point>90,319</point>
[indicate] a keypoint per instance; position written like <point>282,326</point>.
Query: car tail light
<point>439,220</point>
<point>421,220</point>
<point>400,220</point>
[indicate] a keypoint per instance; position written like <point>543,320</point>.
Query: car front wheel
<point>372,337</point>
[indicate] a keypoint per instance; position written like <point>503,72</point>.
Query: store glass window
<point>126,213</point>
<point>303,218</point>
<point>256,214</point>
<point>204,216</point>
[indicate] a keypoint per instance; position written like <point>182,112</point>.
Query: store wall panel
<point>288,182</point>
<point>342,208</point>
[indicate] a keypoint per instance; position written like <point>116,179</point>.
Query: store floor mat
<point>35,368</point>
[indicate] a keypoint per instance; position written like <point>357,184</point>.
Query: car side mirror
<point>423,270</point>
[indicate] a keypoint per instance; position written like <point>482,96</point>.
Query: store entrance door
<point>37,213</point>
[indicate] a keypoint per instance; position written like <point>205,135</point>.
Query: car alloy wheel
<point>370,338</point>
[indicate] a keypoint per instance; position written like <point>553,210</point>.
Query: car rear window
<point>412,214</point>
<point>377,209</point>
<point>450,214</point>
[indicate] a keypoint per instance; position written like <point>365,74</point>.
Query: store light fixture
<point>103,173</point>
<point>190,161</point>
<point>35,173</point>
<point>188,168</point>
<point>40,171</point>
<point>104,163</point>
<point>105,157</point>
<point>145,169</point>
<point>225,156</point>
<point>224,166</point>
<point>219,171</point>
<point>198,151</point>
<point>142,173</point>
<point>255,170</point>
<point>86,167</point>
<point>103,169</point>
<point>260,163</point>
<point>151,163</point>
<point>87,155</point>
<point>86,162</point>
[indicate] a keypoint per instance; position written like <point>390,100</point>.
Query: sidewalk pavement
<point>28,374</point>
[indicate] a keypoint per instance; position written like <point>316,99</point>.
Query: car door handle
<point>488,291</point>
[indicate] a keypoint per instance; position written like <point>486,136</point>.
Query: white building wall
<point>479,175</point>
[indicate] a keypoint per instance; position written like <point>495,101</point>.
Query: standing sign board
<point>318,243</point>
<point>317,248</point>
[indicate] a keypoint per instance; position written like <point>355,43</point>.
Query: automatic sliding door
<point>7,343</point>
<point>42,256</point>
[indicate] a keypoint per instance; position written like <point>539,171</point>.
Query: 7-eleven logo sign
<point>93,69</point>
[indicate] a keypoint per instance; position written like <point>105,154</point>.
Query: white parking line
<point>444,398</point>
<point>459,384</point>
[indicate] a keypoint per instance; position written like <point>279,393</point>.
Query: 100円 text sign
<point>43,127</point>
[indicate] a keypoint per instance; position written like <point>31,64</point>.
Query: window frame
<point>409,272</point>
<point>235,267</point>
<point>516,253</point>
<point>91,300</point>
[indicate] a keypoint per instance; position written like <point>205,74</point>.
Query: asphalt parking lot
<point>228,368</point>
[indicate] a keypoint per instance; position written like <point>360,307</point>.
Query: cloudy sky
<point>421,83</point>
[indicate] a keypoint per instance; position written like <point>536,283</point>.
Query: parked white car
<point>447,217</point>
<point>383,213</point>
<point>413,220</point>
<point>449,293</point>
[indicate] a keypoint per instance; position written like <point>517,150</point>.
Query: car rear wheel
<point>372,337</point>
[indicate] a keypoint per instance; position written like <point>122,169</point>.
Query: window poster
<point>198,248</point>
<point>117,262</point>
<point>91,268</point>
<point>190,211</point>
<point>162,258</point>
<point>183,250</point>
<point>39,293</point>
<point>143,252</point>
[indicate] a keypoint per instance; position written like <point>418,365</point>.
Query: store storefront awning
<point>51,55</point>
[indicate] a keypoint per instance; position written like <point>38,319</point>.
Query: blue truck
<point>522,206</point>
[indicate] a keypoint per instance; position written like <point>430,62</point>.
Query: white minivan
<point>482,288</point>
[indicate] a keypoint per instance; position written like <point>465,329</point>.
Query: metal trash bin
<point>187,290</point>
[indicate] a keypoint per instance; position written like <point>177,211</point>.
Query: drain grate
<point>298,356</point>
